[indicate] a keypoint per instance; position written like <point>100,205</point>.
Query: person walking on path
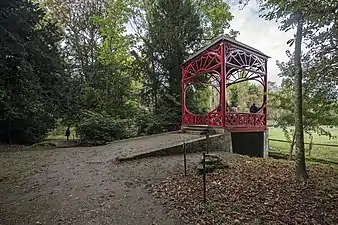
<point>68,132</point>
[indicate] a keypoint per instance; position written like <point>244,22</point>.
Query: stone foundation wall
<point>217,142</point>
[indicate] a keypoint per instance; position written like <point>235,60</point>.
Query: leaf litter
<point>254,191</point>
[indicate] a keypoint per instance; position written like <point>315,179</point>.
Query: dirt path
<point>81,186</point>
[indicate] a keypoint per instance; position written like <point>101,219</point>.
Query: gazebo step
<point>200,129</point>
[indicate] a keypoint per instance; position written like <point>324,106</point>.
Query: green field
<point>320,152</point>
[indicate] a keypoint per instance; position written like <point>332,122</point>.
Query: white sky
<point>262,35</point>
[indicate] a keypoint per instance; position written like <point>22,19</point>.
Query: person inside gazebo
<point>227,108</point>
<point>234,108</point>
<point>254,108</point>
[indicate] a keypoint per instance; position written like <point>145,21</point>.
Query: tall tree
<point>174,31</point>
<point>81,36</point>
<point>97,51</point>
<point>301,172</point>
<point>121,78</point>
<point>80,46</point>
<point>170,31</point>
<point>215,18</point>
<point>35,88</point>
<point>313,15</point>
<point>309,17</point>
<point>319,99</point>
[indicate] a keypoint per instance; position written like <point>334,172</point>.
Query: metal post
<point>204,182</point>
<point>207,142</point>
<point>185,158</point>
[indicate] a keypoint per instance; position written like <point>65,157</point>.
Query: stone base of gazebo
<point>202,129</point>
<point>254,144</point>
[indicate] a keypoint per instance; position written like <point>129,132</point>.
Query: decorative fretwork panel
<point>215,119</point>
<point>239,58</point>
<point>211,78</point>
<point>211,119</point>
<point>188,119</point>
<point>208,61</point>
<point>235,75</point>
<point>244,120</point>
<point>195,119</point>
<point>243,66</point>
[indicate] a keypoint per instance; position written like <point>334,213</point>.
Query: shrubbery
<point>26,130</point>
<point>34,85</point>
<point>148,123</point>
<point>98,129</point>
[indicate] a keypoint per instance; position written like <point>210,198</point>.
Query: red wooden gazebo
<point>226,62</point>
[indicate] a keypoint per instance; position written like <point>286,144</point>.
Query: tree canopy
<point>74,61</point>
<point>34,85</point>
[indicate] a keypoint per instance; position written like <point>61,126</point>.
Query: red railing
<point>210,119</point>
<point>245,120</point>
<point>232,120</point>
<point>192,119</point>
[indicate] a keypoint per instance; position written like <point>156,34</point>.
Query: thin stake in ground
<point>204,180</point>
<point>185,158</point>
<point>207,142</point>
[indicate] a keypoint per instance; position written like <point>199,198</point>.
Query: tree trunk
<point>9,131</point>
<point>301,173</point>
<point>292,145</point>
<point>310,144</point>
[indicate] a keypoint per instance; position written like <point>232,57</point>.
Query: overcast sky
<point>262,35</point>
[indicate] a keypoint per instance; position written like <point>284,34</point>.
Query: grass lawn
<point>321,152</point>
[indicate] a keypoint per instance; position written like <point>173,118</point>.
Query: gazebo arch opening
<point>246,94</point>
<point>202,94</point>
<point>213,71</point>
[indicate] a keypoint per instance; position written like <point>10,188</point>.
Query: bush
<point>98,129</point>
<point>149,124</point>
<point>34,85</point>
<point>29,130</point>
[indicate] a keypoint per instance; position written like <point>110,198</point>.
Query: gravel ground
<point>84,186</point>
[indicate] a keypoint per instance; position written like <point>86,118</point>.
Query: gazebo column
<point>223,79</point>
<point>183,96</point>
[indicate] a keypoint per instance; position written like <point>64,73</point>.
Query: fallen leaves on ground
<point>254,191</point>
